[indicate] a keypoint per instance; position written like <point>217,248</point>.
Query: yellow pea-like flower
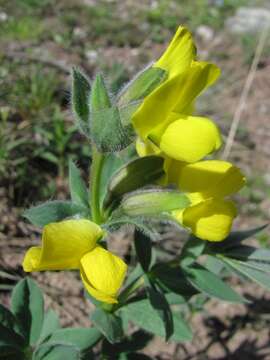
<point>72,244</point>
<point>103,274</point>
<point>207,183</point>
<point>190,138</point>
<point>164,118</point>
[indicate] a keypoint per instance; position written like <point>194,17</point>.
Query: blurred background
<point>39,42</point>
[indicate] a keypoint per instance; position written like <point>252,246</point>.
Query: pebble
<point>92,56</point>
<point>206,33</point>
<point>248,20</point>
<point>3,16</point>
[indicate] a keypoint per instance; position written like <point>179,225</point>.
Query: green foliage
<point>142,85</point>
<point>110,325</point>
<point>27,332</point>
<point>56,351</point>
<point>50,324</point>
<point>134,175</point>
<point>84,338</point>
<point>78,190</point>
<point>107,129</point>
<point>128,347</point>
<point>193,248</point>
<point>211,284</point>
<point>80,99</point>
<point>27,305</point>
<point>143,315</point>
<point>143,248</point>
<point>26,28</point>
<point>160,304</point>
<point>154,201</point>
<point>52,211</point>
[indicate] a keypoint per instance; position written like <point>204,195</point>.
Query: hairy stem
<point>95,176</point>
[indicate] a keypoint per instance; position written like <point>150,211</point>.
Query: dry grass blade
<point>245,92</point>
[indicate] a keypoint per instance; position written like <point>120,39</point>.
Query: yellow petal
<point>190,139</point>
<point>211,219</point>
<point>213,178</point>
<point>199,77</point>
<point>31,259</point>
<point>103,274</point>
<point>179,54</point>
<point>157,106</point>
<point>146,147</point>
<point>194,198</point>
<point>173,170</point>
<point>63,245</point>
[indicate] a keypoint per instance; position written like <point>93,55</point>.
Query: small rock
<point>206,33</point>
<point>248,20</point>
<point>266,179</point>
<point>79,33</point>
<point>92,56</point>
<point>3,16</point>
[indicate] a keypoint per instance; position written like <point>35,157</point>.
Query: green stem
<point>131,289</point>
<point>95,175</point>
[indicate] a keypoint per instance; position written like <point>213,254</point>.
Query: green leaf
<point>100,98</point>
<point>108,324</point>
<point>249,271</point>
<point>77,187</point>
<point>143,315</point>
<point>106,128</point>
<point>214,264</point>
<point>191,251</point>
<point>108,132</point>
<point>111,163</point>
<point>175,299</point>
<point>210,284</point>
<point>159,303</point>
<point>136,341</point>
<point>52,211</point>
<point>135,356</point>
<point>80,99</point>
<point>143,249</point>
<point>56,352</point>
<point>149,202</point>
<point>27,305</point>
<point>50,324</point>
<point>134,175</point>
<point>9,321</point>
<point>82,338</point>
<point>173,279</point>
<point>10,340</point>
<point>143,224</point>
<point>9,353</point>
<point>142,85</point>
<point>249,253</point>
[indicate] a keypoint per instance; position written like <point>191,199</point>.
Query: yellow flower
<point>165,116</point>
<point>207,184</point>
<point>72,244</point>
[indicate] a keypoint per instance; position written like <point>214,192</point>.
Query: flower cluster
<point>166,126</point>
<point>71,245</point>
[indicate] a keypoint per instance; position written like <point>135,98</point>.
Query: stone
<point>92,56</point>
<point>3,16</point>
<point>248,20</point>
<point>206,33</point>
